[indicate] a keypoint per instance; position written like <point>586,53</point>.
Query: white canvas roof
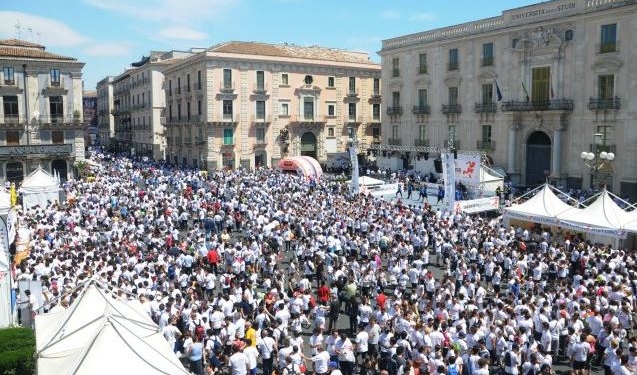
<point>101,331</point>
<point>603,212</point>
<point>543,207</point>
<point>366,181</point>
<point>5,202</point>
<point>39,179</point>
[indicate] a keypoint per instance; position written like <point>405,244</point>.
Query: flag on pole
<point>526,93</point>
<point>497,91</point>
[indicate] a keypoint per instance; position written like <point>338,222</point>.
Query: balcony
<point>452,66</point>
<point>395,73</point>
<point>486,61</point>
<point>197,86</point>
<point>352,119</point>
<point>186,89</point>
<point>604,104</point>
<point>485,108</point>
<point>608,47</point>
<point>226,87</point>
<point>9,87</point>
<point>352,92</point>
<point>394,141</point>
<point>451,108</point>
<point>485,145</point>
<point>605,147</point>
<point>456,143</point>
<point>543,105</point>
<point>421,142</point>
<point>308,119</point>
<point>61,149</point>
<point>422,69</point>
<point>54,88</point>
<point>10,120</point>
<point>260,88</point>
<point>395,111</point>
<point>261,118</point>
<point>376,139</point>
<point>423,109</point>
<point>220,118</point>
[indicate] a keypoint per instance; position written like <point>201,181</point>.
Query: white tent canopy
<point>5,202</point>
<point>543,207</point>
<point>367,181</point>
<point>490,180</point>
<point>603,216</point>
<point>101,331</point>
<point>6,312</point>
<point>39,188</point>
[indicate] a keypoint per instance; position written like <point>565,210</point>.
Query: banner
<point>449,177</point>
<point>468,169</point>
<point>478,205</point>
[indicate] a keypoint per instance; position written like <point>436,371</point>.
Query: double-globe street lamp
<point>595,160</point>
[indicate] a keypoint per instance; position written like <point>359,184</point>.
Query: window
<point>260,80</point>
<point>376,112</point>
<point>178,85</point>
<point>188,82</point>
<point>376,88</point>
<point>514,42</point>
<point>228,136</point>
<point>608,38</point>
<point>351,111</point>
<point>395,67</point>
<point>453,95</point>
<point>422,132</point>
<point>10,105</point>
<point>453,59</point>
<point>55,77</point>
<point>260,135</point>
<point>422,98</point>
<point>188,111</point>
<point>227,109</point>
<point>330,132</point>
<point>170,87</point>
<point>284,79</point>
<point>198,108</point>
<point>487,54</point>
<point>198,80</point>
<point>57,137</point>
<point>541,85</point>
<point>607,137</point>
<point>13,138</point>
<point>331,110</point>
<point>606,87</point>
<point>486,133</point>
<point>395,99</point>
<point>376,134</point>
<point>330,82</point>
<point>227,78</point>
<point>422,63</point>
<point>395,132</point>
<point>178,111</point>
<point>568,35</point>
<point>56,108</point>
<point>487,93</point>
<point>285,109</point>
<point>9,78</point>
<point>260,109</point>
<point>352,85</point>
<point>308,108</point>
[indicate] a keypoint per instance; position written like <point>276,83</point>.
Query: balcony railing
<point>260,88</point>
<point>10,119</point>
<point>225,118</point>
<point>352,119</point>
<point>422,69</point>
<point>376,94</point>
<point>396,110</point>
<point>452,65</point>
<point>608,47</point>
<point>186,88</point>
<point>604,104</point>
<point>395,72</point>
<point>308,119</point>
<point>543,105</point>
<point>197,86</point>
<point>9,82</point>
<point>57,119</point>
<point>451,108</point>
<point>485,145</point>
<point>376,139</point>
<point>486,61</point>
<point>609,147</point>
<point>421,142</point>
<point>394,141</point>
<point>261,118</point>
<point>352,92</point>
<point>423,109</point>
<point>226,87</point>
<point>456,143</point>
<point>486,108</point>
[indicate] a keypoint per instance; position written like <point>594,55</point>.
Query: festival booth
<point>39,188</point>
<point>6,309</point>
<point>543,207</point>
<point>5,203</point>
<point>101,331</point>
<point>302,165</point>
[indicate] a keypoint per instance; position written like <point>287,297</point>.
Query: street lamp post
<point>595,160</point>
<point>352,144</point>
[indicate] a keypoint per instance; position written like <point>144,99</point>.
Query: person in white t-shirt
<point>362,341</point>
<point>238,362</point>
<point>321,360</point>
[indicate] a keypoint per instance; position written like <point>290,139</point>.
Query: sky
<point>109,35</point>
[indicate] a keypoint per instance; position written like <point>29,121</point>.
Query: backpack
<point>508,361</point>
<point>171,272</point>
<point>452,369</point>
<point>393,365</point>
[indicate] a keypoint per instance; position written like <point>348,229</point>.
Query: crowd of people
<point>262,272</point>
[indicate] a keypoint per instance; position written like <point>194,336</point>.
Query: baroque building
<point>532,88</point>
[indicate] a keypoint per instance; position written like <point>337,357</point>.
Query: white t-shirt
<point>362,339</point>
<point>238,363</point>
<point>321,362</point>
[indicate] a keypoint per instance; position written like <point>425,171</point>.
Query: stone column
<point>556,157</point>
<point>511,149</point>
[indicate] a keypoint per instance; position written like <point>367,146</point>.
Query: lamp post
<point>352,143</point>
<point>596,160</point>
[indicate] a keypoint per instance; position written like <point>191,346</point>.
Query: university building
<point>41,122</point>
<point>241,104</point>
<point>532,88</point>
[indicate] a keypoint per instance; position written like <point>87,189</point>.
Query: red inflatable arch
<point>304,165</point>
